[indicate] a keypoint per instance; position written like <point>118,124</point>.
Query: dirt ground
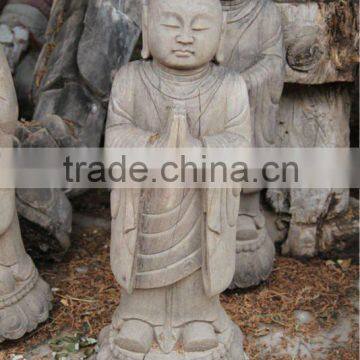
<point>86,294</point>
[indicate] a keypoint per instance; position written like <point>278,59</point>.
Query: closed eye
<point>171,25</point>
<point>201,23</point>
<point>200,28</point>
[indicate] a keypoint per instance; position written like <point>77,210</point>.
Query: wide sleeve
<point>271,63</point>
<point>265,80</point>
<point>122,132</point>
<point>8,101</point>
<point>8,120</point>
<point>222,205</point>
<point>238,128</point>
<point>121,129</point>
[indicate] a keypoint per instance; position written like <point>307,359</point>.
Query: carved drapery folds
<point>25,299</point>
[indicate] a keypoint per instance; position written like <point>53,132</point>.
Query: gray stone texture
<point>25,299</point>
<point>71,90</point>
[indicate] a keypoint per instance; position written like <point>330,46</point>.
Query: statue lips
<point>183,53</point>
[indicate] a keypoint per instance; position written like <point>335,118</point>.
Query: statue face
<point>184,34</point>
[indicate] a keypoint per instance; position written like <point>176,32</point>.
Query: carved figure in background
<point>25,299</point>
<point>321,52</point>
<point>253,46</point>
<point>173,250</point>
<point>319,117</point>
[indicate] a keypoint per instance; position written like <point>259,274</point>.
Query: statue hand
<point>169,138</point>
<point>185,139</point>
<point>171,134</point>
<point>177,133</point>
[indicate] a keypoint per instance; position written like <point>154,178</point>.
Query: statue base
<point>24,309</point>
<point>254,261</point>
<point>230,348</point>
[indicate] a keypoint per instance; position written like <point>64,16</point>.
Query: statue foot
<point>25,306</point>
<point>229,347</point>
<point>136,336</point>
<point>199,336</point>
<point>255,253</point>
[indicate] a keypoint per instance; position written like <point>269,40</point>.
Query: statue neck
<point>177,75</point>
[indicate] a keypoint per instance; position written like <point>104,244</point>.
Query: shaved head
<point>184,34</point>
<point>213,5</point>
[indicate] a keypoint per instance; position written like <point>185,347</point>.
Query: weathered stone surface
<point>253,46</point>
<point>113,35</point>
<point>312,117</point>
<point>25,299</point>
<point>320,39</point>
<point>173,250</point>
<point>339,236</point>
<point>229,349</point>
<point>71,90</point>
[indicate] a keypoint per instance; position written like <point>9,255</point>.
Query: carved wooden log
<point>321,40</point>
<point>316,116</point>
<point>25,299</point>
<point>339,237</point>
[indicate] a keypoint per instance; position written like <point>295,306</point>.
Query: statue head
<point>183,34</point>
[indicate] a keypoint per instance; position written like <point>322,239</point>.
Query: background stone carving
<point>321,40</point>
<point>312,117</point>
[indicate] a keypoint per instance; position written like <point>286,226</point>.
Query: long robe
<point>11,247</point>
<point>218,113</point>
<point>253,46</point>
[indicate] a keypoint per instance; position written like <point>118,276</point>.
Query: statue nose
<point>185,39</point>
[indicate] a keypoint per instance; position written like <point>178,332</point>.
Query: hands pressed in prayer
<point>177,133</point>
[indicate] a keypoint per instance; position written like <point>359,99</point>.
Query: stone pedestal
<point>26,305</point>
<point>25,299</point>
<point>230,348</point>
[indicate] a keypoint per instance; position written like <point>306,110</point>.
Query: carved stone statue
<point>173,250</point>
<point>253,46</point>
<point>25,299</point>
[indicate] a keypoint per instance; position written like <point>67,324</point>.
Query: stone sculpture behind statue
<point>173,250</point>
<point>253,46</point>
<point>25,299</point>
<point>321,45</point>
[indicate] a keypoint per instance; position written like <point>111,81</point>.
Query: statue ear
<point>145,53</point>
<point>220,55</point>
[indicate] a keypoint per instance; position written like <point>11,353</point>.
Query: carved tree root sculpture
<point>25,299</point>
<point>319,118</point>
